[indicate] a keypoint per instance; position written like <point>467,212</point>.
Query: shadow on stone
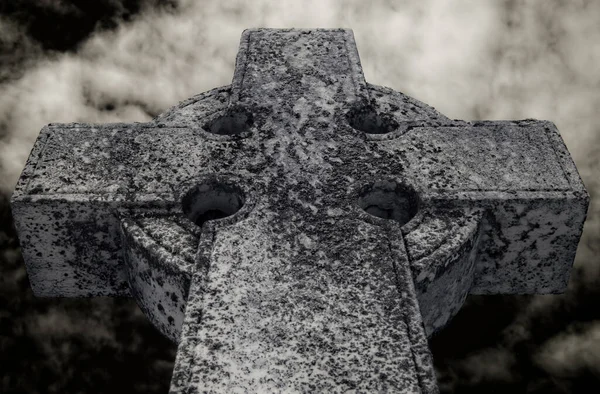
<point>212,200</point>
<point>389,200</point>
<point>366,119</point>
<point>235,120</point>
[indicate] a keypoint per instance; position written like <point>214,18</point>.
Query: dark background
<point>109,60</point>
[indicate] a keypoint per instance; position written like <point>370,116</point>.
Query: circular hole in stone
<point>389,200</point>
<point>234,121</point>
<point>365,118</point>
<point>212,200</point>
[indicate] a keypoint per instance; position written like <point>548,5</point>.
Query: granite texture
<point>300,230</point>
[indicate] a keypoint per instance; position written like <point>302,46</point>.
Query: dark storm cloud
<point>125,61</point>
<point>62,25</point>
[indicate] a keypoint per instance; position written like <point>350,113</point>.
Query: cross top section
<point>300,229</point>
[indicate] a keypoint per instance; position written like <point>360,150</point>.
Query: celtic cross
<point>300,230</point>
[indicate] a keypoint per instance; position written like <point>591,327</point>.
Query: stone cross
<point>300,230</point>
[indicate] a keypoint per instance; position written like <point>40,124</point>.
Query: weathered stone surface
<point>352,220</point>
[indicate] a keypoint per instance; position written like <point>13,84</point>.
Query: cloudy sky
<point>109,61</point>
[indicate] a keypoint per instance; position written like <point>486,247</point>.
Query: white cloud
<point>572,351</point>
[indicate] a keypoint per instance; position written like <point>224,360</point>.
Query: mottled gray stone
<point>300,230</point>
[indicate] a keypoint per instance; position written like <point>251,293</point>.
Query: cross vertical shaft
<point>279,311</point>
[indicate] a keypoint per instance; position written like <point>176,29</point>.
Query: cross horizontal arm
<point>113,160</point>
<point>77,177</point>
<point>499,156</point>
<point>521,174</point>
